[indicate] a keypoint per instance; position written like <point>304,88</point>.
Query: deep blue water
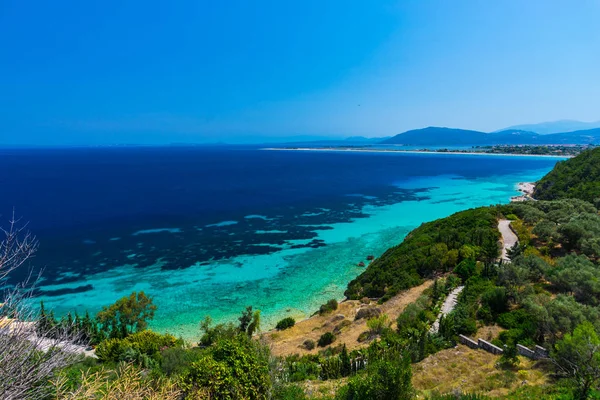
<point>85,205</point>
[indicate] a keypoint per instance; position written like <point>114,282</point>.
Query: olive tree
<point>577,357</point>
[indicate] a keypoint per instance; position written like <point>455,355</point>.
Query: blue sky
<point>78,72</point>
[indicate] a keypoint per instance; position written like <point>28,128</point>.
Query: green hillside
<point>577,178</point>
<point>436,246</point>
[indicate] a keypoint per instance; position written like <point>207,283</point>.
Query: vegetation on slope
<point>577,178</point>
<point>434,247</point>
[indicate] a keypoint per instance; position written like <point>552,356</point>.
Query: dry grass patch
<point>488,332</point>
<point>473,371</point>
<point>322,389</point>
<point>341,320</point>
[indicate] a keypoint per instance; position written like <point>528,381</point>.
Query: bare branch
<point>29,356</point>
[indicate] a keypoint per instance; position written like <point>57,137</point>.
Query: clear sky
<point>82,72</point>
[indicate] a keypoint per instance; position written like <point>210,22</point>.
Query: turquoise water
<point>294,277</point>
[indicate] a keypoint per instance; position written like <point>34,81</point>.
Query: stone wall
<point>540,353</point>
<point>524,351</point>
<point>536,354</point>
<point>487,346</point>
<point>468,342</point>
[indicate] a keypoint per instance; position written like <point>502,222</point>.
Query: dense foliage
<point>577,178</point>
<point>285,323</point>
<point>434,247</point>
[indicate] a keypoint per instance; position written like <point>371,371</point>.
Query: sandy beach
<point>458,153</point>
<point>527,188</point>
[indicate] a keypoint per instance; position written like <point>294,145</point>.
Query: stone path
<point>447,307</point>
<point>509,239</point>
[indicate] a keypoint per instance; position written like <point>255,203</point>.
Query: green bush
<point>177,360</point>
<point>285,323</point>
<point>236,368</point>
<point>379,324</point>
<point>136,347</point>
<point>289,392</point>
<point>326,339</point>
<point>387,379</point>
<point>328,307</point>
<point>465,269</point>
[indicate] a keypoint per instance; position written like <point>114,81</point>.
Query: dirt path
<point>290,340</point>
<point>509,239</point>
<point>447,307</point>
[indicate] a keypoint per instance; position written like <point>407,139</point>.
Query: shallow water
<point>210,231</point>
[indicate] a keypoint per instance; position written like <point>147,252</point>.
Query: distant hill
<point>545,128</point>
<point>578,178</point>
<point>577,137</point>
<point>437,136</point>
<point>513,136</point>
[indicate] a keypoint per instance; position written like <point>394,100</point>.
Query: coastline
<point>223,287</point>
<point>413,152</point>
<point>527,188</point>
<point>272,334</point>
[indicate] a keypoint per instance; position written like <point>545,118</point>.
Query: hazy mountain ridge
<point>551,127</point>
<point>441,136</point>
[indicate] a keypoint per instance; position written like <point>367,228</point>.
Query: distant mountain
<point>436,136</point>
<point>588,136</point>
<point>513,136</point>
<point>545,128</point>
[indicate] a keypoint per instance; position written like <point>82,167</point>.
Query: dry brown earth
<point>290,340</point>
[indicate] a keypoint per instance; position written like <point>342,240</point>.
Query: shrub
<point>136,347</point>
<point>383,380</point>
<point>308,344</point>
<point>328,307</point>
<point>368,313</point>
<point>285,323</point>
<point>289,392</point>
<point>212,334</point>
<point>465,269</point>
<point>176,360</point>
<point>341,326</point>
<point>496,299</point>
<point>235,368</point>
<point>379,324</point>
<point>326,339</point>
<point>111,385</point>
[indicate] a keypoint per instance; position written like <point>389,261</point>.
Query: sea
<point>210,230</point>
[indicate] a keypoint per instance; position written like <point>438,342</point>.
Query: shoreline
<point>527,189</point>
<point>304,317</point>
<point>473,153</point>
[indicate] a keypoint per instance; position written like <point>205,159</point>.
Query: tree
<point>491,251</point>
<point>127,315</point>
<point>30,352</point>
<point>577,358</point>
<point>386,379</point>
<point>245,319</point>
<point>465,269</point>
<point>249,321</point>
